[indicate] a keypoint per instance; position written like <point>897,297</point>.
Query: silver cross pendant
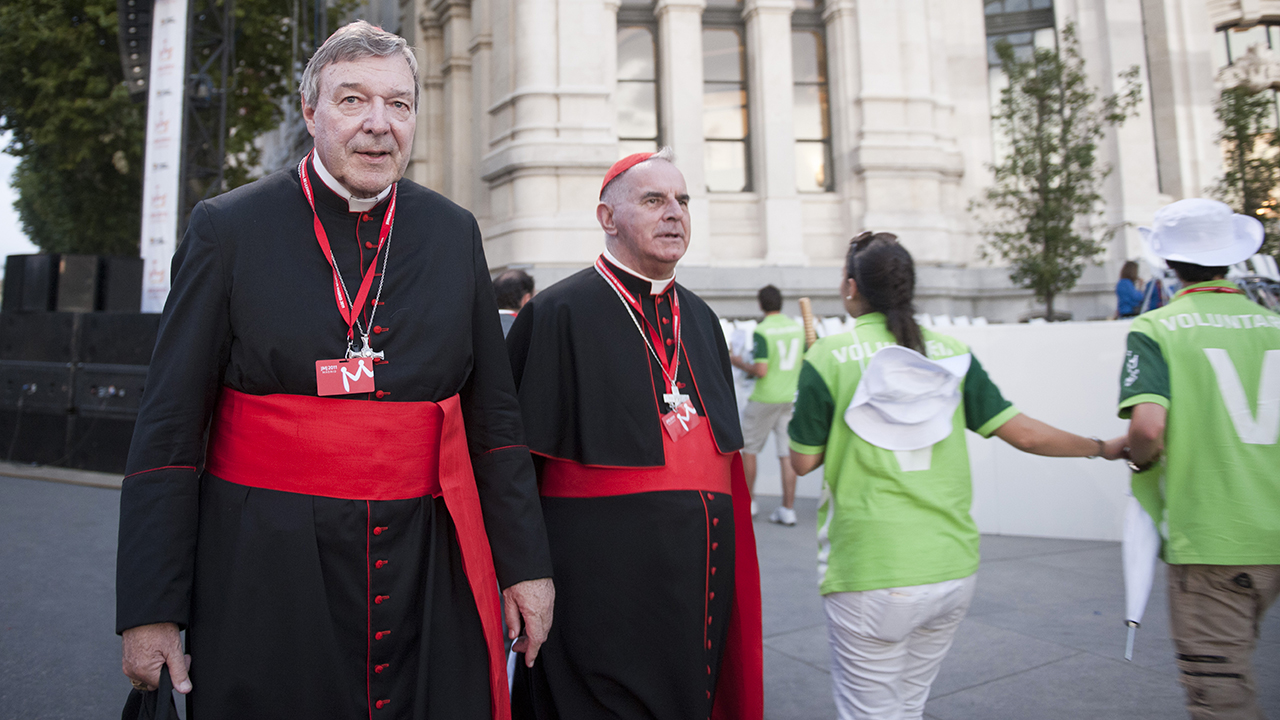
<point>366,351</point>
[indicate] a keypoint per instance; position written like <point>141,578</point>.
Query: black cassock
<point>637,578</point>
<point>277,590</point>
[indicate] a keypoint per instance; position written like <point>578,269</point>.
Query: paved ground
<point>1044,640</point>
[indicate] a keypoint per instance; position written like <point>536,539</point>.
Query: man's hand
<point>148,647</point>
<point>532,601</point>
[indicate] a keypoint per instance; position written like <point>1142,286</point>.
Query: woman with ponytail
<point>886,406</point>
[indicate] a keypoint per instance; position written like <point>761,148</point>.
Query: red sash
<point>695,463</point>
<point>295,443</point>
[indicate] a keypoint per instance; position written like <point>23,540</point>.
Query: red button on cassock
<point>670,341</point>
<point>378,329</point>
<point>381,634</point>
<point>368,244</point>
<point>711,496</point>
<point>713,569</point>
<point>378,600</point>
<point>715,545</point>
<point>383,703</point>
<point>379,530</point>
<point>380,394</point>
<point>380,563</point>
<point>715,521</point>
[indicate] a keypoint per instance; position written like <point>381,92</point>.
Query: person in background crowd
<point>1129,295</point>
<point>628,400</point>
<point>513,289</point>
<point>1206,463</point>
<point>337,547</point>
<point>779,347</point>
<point>884,408</point>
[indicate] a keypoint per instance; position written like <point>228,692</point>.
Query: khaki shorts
<point>1215,615</point>
<point>758,419</point>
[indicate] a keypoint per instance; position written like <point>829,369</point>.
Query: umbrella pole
<point>1128,643</point>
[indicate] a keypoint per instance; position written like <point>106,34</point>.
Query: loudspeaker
<point>120,284</point>
<point>27,436</point>
<point>98,442</point>
<point>118,338</point>
<point>37,289</point>
<point>45,336</point>
<point>134,32</point>
<point>35,386</point>
<point>13,271</point>
<point>77,283</point>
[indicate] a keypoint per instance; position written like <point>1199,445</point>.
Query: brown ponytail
<point>886,278</point>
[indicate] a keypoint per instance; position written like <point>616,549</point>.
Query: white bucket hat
<point>1203,232</point>
<point>905,401</point>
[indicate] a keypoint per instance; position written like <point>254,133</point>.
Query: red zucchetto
<point>622,166</point>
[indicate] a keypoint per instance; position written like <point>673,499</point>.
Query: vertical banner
<point>163,160</point>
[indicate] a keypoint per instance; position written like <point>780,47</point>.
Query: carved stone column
<point>454,19</point>
<point>770,84</point>
<point>680,85</point>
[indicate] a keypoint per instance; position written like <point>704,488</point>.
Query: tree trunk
<point>1048,307</point>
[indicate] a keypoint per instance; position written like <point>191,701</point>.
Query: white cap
<point>1203,232</point>
<point>905,401</point>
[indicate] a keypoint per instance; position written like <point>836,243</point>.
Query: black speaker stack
<point>73,359</point>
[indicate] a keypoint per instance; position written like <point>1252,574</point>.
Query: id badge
<point>680,421</point>
<point>344,377</point>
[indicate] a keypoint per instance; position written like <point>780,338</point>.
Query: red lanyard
<point>350,312</point>
<point>1212,289</point>
<point>669,368</point>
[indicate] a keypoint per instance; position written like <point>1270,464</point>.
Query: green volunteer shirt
<point>889,519</point>
<point>779,341</point>
<point>1212,359</point>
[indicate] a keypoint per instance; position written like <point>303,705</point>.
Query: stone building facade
<point>797,124</point>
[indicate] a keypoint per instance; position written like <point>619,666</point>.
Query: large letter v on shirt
<point>1264,428</point>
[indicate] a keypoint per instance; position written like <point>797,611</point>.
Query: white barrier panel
<point>1066,374</point>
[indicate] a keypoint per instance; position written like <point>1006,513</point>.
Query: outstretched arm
<point>1039,438</point>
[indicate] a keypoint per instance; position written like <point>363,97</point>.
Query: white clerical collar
<point>354,204</point>
<point>656,287</point>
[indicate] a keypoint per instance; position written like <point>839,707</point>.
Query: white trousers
<point>887,646</point>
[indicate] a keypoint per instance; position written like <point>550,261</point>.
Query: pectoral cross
<point>366,351</point>
<point>675,398</point>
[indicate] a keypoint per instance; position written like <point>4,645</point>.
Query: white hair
<point>355,41</point>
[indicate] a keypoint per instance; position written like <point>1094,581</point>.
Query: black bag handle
<point>155,704</point>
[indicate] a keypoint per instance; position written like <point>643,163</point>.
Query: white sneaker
<point>754,510</point>
<point>783,516</point>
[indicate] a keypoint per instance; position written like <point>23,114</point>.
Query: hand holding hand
<point>1113,449</point>
<point>531,601</point>
<point>147,648</point>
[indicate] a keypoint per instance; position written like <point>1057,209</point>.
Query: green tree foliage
<point>76,134</point>
<point>1042,212</point>
<point>79,138</point>
<point>1251,157</point>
